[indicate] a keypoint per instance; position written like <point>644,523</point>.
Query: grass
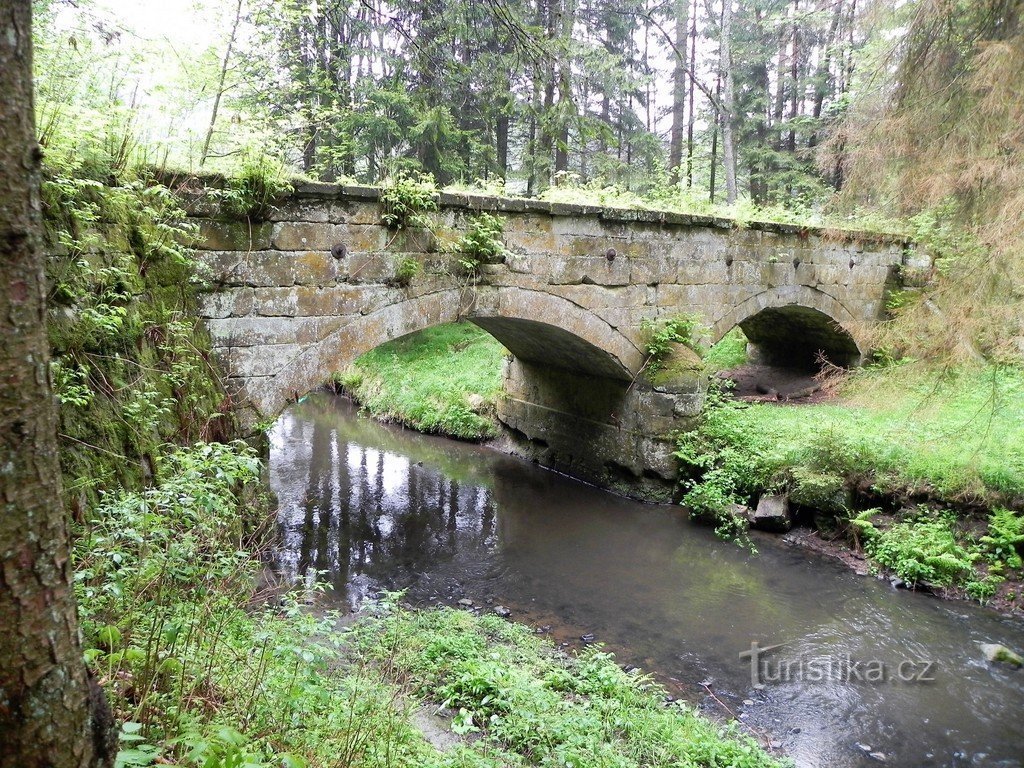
<point>917,442</point>
<point>442,380</point>
<point>729,352</point>
<point>529,704</point>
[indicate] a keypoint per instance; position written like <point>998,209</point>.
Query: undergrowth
<point>443,380</point>
<point>164,577</point>
<point>950,442</point>
<point>529,704</point>
<point>130,357</point>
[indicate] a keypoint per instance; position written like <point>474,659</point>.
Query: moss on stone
<point>123,313</point>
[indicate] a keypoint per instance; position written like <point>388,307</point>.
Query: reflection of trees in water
<point>368,515</point>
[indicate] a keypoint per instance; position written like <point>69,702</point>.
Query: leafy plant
<point>250,191</point>
<point>922,550</point>
<point>407,268</point>
<point>482,242</point>
<point>406,199</point>
<point>1005,538</point>
<point>681,329</point>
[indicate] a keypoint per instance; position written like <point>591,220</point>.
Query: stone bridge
<point>319,281</point>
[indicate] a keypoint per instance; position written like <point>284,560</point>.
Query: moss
<point>123,313</point>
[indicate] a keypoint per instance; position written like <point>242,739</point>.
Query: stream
<point>864,674</point>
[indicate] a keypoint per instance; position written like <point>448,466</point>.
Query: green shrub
<point>824,491</point>
<point>923,550</point>
<point>661,335</point>
<point>201,675</point>
<point>406,199</point>
<point>253,188</point>
<point>406,270</point>
<point>1005,538</point>
<point>482,242</point>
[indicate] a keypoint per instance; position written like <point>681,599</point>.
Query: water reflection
<point>371,507</point>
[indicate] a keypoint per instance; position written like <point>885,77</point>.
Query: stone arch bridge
<point>304,292</point>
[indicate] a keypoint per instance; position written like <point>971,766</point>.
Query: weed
<point>681,329</point>
<point>920,550</point>
<point>406,269</point>
<point>482,242</point>
<point>529,704</point>
<point>250,191</point>
<point>406,199</point>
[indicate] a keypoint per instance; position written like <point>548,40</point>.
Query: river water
<point>862,667</point>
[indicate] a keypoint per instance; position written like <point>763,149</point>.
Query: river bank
<point>908,472</point>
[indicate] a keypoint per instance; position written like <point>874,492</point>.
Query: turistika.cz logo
<point>765,671</point>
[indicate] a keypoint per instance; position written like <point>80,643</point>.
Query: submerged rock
<point>998,653</point>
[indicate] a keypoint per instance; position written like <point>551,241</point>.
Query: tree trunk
<point>51,712</point>
<point>220,84</point>
<point>728,105</point>
<point>689,106</point>
<point>566,107</point>
<point>679,82</point>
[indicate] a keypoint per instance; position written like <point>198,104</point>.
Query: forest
<point>145,619</point>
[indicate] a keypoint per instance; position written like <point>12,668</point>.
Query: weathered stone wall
<point>303,293</point>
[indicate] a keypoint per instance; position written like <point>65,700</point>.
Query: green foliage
<point>661,335</point>
<point>407,199</point>
<point>164,578</point>
<point>951,438</point>
<point>1005,538</point>
<point>427,381</point>
<point>130,362</point>
<point>407,268</point>
<point>921,550</point>
<point>250,190</point>
<point>730,352</point>
<point>819,490</point>
<point>531,705</point>
<point>482,243</point>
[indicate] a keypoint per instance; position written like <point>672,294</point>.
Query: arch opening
<point>549,345</point>
<point>798,337</point>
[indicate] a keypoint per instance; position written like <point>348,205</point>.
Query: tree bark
<point>728,112</point>
<point>51,712</point>
<point>567,17</point>
<point>679,83</point>
<point>689,105</point>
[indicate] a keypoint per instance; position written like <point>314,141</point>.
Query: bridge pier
<point>614,433</point>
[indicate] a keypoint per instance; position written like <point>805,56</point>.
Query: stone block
<point>532,241</point>
<point>596,270</point>
<point>275,302</point>
<point>267,268</point>
<point>303,236</point>
<point>317,268</point>
<point>772,514</point>
<point>227,302</point>
<point>261,360</point>
<point>233,235</point>
<point>261,331</point>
